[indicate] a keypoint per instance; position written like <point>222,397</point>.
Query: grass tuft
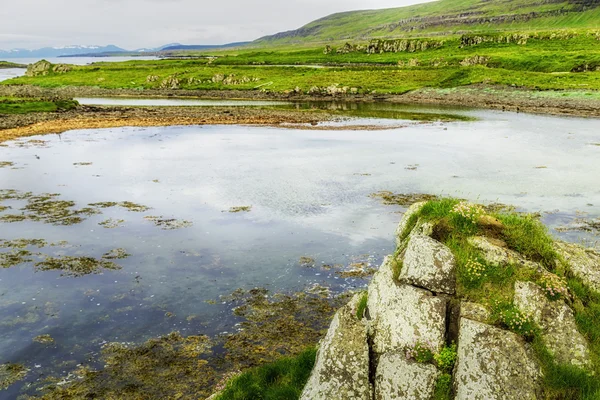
<point>283,379</point>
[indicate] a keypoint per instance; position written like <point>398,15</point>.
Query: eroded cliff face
<point>398,347</point>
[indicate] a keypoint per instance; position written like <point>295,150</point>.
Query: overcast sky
<point>150,23</point>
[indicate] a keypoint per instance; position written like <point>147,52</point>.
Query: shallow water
<point>9,73</point>
<point>309,193</point>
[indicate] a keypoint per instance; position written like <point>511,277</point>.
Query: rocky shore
<point>418,337</point>
<point>571,103</point>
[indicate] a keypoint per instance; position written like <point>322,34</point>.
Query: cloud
<point>150,23</point>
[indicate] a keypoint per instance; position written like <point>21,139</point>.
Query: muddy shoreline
<point>92,117</point>
<point>477,96</point>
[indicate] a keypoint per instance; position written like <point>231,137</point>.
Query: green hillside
<point>445,17</point>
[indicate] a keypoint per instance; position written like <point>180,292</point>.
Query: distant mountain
<point>58,51</point>
<point>202,46</point>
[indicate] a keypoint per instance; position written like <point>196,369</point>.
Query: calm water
<point>309,193</point>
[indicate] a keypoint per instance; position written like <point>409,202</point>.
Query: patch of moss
<point>402,199</point>
<point>112,223</point>
<point>240,209</point>
<point>15,257</point>
<point>22,243</point>
<point>116,254</point>
<point>5,164</point>
<point>44,339</point>
<point>169,223</point>
<point>76,266</point>
<point>11,373</point>
<point>167,367</point>
<point>306,261</point>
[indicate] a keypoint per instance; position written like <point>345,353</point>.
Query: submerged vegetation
<point>177,366</point>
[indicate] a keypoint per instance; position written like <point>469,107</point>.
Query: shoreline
<point>14,126</point>
<point>563,103</point>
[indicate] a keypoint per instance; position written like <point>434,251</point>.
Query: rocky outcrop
<point>557,322</point>
<point>584,263</point>
<point>62,68</point>
<point>398,378</point>
<point>170,82</point>
<point>403,315</point>
<point>494,364</point>
<point>402,45</point>
<point>430,265</point>
<point>40,68</point>
<point>413,318</point>
<point>342,367</point>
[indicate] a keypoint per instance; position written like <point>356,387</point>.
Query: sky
<point>133,24</point>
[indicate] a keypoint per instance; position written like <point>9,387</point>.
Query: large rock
<point>584,263</point>
<point>495,254</point>
<point>404,222</point>
<point>430,265</point>
<point>39,68</point>
<point>556,319</point>
<point>342,367</point>
<point>398,378</point>
<point>494,364</point>
<point>402,315</point>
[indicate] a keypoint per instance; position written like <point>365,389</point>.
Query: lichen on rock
<point>342,367</point>
<point>494,364</point>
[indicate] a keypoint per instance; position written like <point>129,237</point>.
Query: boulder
<point>495,254</point>
<point>404,222</point>
<point>170,82</point>
<point>398,378</point>
<point>494,364</point>
<point>429,264</point>
<point>584,263</point>
<point>342,367</point>
<point>40,68</point>
<point>402,315</point>
<point>557,322</point>
<point>474,312</point>
<point>62,68</point>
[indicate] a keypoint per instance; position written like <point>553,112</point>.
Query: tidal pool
<point>190,214</point>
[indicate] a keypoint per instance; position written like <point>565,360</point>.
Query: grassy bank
<point>11,105</point>
<point>7,64</point>
<point>550,60</point>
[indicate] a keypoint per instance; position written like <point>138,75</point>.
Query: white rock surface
<point>494,364</point>
<point>398,378</point>
<point>585,263</point>
<point>556,319</point>
<point>342,367</point>
<point>429,264</point>
<point>402,315</point>
<point>501,256</point>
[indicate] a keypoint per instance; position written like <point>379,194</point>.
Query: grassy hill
<point>445,17</point>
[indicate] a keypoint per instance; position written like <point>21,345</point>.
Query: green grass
<point>25,106</point>
<point>442,17</point>
<point>283,379</point>
<point>362,306</point>
<point>7,64</point>
<point>543,64</point>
